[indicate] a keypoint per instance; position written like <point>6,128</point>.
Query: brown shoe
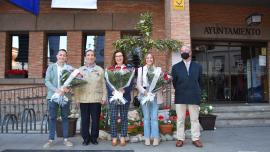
<point>114,142</point>
<point>197,143</point>
<point>122,141</point>
<point>179,143</point>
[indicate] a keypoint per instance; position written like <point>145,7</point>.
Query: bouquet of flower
<point>68,78</point>
<point>163,79</point>
<point>156,80</point>
<point>118,78</point>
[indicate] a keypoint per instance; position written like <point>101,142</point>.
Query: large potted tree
<point>206,118</point>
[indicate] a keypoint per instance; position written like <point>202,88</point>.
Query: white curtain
<point>76,4</point>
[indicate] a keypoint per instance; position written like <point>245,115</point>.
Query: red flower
<point>187,113</point>
<point>16,72</point>
<point>101,116</point>
<point>161,117</point>
<point>166,77</point>
<point>117,68</point>
<point>166,107</point>
<point>111,68</point>
<point>124,68</point>
<point>173,118</point>
<point>141,124</point>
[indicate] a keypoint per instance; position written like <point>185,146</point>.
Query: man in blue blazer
<point>187,82</point>
<point>52,82</point>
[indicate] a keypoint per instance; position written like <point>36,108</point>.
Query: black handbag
<point>136,101</point>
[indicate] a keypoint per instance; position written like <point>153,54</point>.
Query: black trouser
<point>87,110</point>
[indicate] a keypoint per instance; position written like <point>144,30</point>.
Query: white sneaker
<point>68,143</point>
<point>147,141</point>
<point>48,144</point>
<point>156,142</point>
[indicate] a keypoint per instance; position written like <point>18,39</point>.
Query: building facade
<point>234,55</point>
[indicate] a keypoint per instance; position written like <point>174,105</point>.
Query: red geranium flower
<point>161,117</point>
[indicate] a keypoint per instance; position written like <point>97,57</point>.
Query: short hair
<point>64,50</point>
<point>124,57</point>
<point>89,51</point>
<point>185,47</point>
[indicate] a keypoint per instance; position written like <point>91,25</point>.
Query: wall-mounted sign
<point>220,30</point>
<point>178,4</point>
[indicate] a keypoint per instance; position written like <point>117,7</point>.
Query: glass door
<point>233,72</point>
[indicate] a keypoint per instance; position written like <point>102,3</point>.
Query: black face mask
<point>185,55</point>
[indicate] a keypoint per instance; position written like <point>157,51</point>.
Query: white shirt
<point>59,72</point>
<point>187,64</point>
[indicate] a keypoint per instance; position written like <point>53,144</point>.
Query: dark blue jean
<point>53,107</point>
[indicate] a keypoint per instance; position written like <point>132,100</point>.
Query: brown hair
<point>124,56</point>
<point>89,51</point>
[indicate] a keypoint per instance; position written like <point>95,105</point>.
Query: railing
<point>25,110</point>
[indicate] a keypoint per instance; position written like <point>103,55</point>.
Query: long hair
<point>124,57</point>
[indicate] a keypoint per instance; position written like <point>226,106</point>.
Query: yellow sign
<point>178,4</point>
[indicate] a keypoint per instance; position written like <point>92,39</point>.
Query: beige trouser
<point>194,120</point>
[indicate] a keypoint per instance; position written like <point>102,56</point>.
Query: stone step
<point>241,107</point>
<point>242,123</point>
<point>243,115</point>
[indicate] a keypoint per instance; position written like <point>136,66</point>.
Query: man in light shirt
<point>52,82</point>
<point>187,82</point>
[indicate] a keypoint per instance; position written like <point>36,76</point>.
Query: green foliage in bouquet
<point>117,79</point>
<point>78,80</point>
<point>162,80</point>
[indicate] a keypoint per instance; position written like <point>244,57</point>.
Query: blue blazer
<point>187,86</point>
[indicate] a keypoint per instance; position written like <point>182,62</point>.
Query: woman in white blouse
<point>150,109</point>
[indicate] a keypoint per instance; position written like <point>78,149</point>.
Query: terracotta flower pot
<point>131,128</point>
<point>166,128</point>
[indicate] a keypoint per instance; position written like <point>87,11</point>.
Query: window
<point>19,52</point>
<point>55,42</point>
<point>96,43</point>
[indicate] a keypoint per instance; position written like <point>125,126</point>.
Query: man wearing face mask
<point>187,82</point>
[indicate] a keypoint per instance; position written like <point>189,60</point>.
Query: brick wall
<point>226,14</point>
<point>110,37</point>
<point>36,55</point>
<point>3,47</point>
<point>74,47</point>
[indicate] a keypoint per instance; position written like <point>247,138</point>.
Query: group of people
<point>186,78</point>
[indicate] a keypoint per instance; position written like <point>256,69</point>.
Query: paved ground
<point>248,139</point>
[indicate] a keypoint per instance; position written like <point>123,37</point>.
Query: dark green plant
<point>145,42</point>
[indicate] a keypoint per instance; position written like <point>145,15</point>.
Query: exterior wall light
<point>254,19</point>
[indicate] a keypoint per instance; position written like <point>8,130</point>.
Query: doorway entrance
<point>233,72</point>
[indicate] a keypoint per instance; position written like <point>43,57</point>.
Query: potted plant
<point>207,120</point>
<point>165,126</point>
<point>72,122</point>
<point>16,73</point>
